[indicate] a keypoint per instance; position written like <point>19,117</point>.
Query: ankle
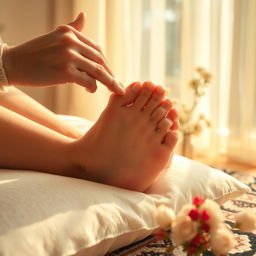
<point>75,168</point>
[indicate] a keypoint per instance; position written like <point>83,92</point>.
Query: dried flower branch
<point>189,123</point>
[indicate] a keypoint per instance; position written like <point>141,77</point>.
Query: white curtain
<point>221,36</point>
<point>242,113</point>
<point>164,41</point>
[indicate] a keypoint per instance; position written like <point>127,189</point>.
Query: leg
<point>131,142</point>
<point>28,145</point>
<point>20,103</point>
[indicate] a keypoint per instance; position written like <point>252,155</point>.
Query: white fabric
<point>48,215</point>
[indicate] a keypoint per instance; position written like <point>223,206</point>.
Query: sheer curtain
<point>163,41</point>
<point>73,99</point>
<point>242,115</point>
<point>221,36</point>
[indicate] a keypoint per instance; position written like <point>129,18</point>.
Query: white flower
<point>183,229</point>
<point>214,211</point>
<point>164,216</point>
<point>186,208</point>
<point>246,221</point>
<point>222,240</point>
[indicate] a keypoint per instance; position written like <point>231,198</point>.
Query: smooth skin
<point>22,104</point>
<point>128,146</point>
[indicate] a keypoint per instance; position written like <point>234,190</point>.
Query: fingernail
<point>120,90</point>
<point>119,87</point>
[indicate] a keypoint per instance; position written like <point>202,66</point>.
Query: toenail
<point>159,90</point>
<point>170,122</point>
<point>147,89</point>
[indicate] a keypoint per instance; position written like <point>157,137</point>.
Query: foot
<point>132,140</point>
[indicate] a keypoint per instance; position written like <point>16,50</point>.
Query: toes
<point>173,115</point>
<point>164,125</point>
<point>144,95</point>
<point>131,92</point>
<point>171,139</point>
<point>160,112</point>
<point>155,99</point>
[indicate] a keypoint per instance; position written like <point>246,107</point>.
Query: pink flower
<point>212,214</point>
<point>185,210</point>
<point>197,201</point>
<point>164,216</point>
<point>246,221</point>
<point>194,214</point>
<point>222,241</point>
<point>183,229</point>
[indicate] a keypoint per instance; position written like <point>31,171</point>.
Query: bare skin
<point>129,145</point>
<point>20,103</point>
<point>133,138</point>
<point>64,55</point>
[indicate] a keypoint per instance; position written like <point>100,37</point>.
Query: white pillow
<point>186,179</point>
<point>48,215</point>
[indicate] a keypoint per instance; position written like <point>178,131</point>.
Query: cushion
<point>186,179</point>
<point>45,214</point>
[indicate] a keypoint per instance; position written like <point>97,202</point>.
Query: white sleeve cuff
<point>3,78</point>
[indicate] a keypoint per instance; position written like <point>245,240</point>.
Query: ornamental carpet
<point>245,242</point>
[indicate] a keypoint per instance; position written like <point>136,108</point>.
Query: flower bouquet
<point>199,227</point>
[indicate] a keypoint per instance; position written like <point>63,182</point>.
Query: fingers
<point>98,72</point>
<point>94,55</point>
<point>84,80</point>
<point>79,22</point>
<point>90,58</point>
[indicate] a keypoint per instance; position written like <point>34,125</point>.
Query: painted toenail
<point>169,121</point>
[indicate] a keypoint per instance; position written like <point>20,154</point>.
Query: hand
<point>61,56</point>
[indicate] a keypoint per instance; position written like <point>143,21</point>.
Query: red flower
<point>206,227</point>
<point>205,245</point>
<point>194,214</point>
<point>196,240</point>
<point>191,251</point>
<point>197,201</point>
<point>205,216</point>
<point>159,234</point>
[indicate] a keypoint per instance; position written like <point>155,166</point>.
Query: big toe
<point>144,96</point>
<point>131,93</point>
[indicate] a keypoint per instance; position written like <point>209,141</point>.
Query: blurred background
<point>162,41</point>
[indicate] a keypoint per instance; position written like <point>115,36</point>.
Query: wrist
<point>8,63</point>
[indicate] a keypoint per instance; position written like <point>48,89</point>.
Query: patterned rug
<point>245,242</point>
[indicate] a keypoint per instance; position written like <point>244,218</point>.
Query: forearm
<point>19,102</point>
<point>25,144</point>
